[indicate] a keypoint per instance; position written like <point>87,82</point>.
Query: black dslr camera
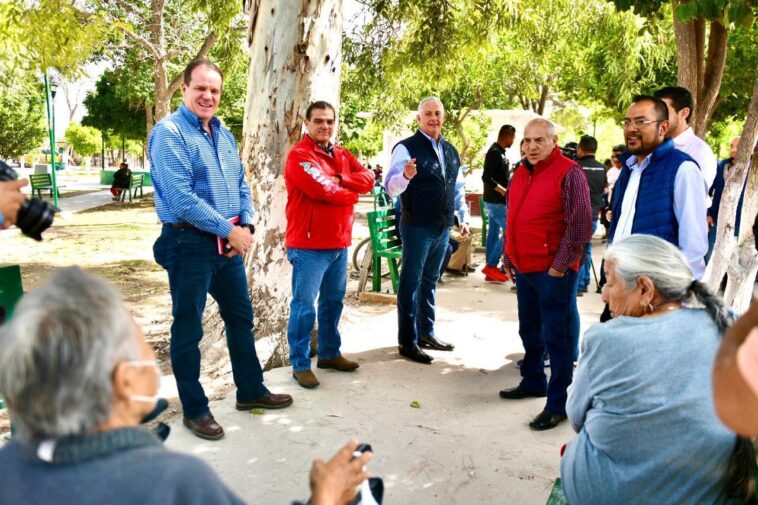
<point>569,150</point>
<point>35,215</point>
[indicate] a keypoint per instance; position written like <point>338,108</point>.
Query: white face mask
<point>151,363</point>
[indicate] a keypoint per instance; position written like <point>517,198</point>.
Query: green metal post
<point>51,133</point>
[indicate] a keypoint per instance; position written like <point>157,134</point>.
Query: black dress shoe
<point>519,393</point>
<point>413,353</point>
<point>546,421</point>
<point>434,344</point>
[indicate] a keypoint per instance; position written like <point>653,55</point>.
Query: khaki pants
<point>462,257</point>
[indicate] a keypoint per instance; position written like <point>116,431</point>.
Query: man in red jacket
<point>323,183</point>
<point>549,221</point>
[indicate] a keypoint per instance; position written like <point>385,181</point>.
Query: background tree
<point>304,66</point>
<point>85,140</point>
<point>21,116</point>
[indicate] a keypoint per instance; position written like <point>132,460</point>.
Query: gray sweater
<point>119,467</point>
<point>642,404</point>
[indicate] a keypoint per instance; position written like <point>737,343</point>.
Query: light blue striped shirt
<point>198,179</point>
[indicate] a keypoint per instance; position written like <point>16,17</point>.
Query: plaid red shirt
<point>577,212</point>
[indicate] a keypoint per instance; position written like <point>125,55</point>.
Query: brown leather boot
<point>205,427</point>
<point>306,379</point>
<point>342,364</point>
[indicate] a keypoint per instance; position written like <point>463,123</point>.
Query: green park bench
<point>385,243</point>
<point>42,182</point>
<point>136,183</point>
<point>11,290</point>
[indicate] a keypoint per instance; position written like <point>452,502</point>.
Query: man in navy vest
<point>661,190</point>
<point>425,172</point>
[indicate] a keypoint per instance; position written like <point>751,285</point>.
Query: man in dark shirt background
<point>495,178</point>
<point>596,178</point>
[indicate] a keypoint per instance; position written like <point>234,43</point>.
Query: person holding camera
<point>11,200</point>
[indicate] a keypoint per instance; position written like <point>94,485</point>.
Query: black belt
<point>189,226</point>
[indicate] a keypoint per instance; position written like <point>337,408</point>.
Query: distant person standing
<point>121,180</point>
<point>323,183</point>
<point>425,172</point>
<point>596,178</point>
<point>377,174</point>
<point>715,193</point>
<point>495,177</point>
<point>681,107</point>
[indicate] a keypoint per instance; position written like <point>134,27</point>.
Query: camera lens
<point>34,217</point>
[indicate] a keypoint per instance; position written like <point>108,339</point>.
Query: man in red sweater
<point>323,183</point>
<point>549,221</point>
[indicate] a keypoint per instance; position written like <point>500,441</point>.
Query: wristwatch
<point>250,227</point>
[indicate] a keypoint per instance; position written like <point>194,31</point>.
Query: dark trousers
<point>547,314</point>
<point>195,269</point>
<point>423,251</point>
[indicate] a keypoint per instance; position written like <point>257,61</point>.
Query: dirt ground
<point>115,241</point>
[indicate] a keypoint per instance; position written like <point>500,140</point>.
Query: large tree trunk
<point>295,58</point>
<point>737,256</point>
<point>697,71</point>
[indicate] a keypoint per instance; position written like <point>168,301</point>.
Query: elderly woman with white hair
<point>78,377</point>
<point>641,400</point>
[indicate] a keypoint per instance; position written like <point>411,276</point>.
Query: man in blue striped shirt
<point>201,195</point>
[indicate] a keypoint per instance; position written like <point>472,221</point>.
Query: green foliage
<point>84,139</point>
<point>110,113</point>
<point>22,119</point>
<point>45,34</point>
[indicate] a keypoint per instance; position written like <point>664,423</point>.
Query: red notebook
<point>222,242</point>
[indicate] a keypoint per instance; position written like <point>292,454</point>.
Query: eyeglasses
<point>638,123</point>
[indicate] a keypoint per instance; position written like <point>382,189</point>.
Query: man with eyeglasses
<point>660,190</point>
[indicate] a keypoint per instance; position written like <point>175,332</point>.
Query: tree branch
<point>176,82</point>
<point>145,43</point>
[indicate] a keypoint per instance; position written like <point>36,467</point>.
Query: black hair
<point>661,109</point>
<point>680,98</point>
<point>505,130</point>
<point>618,149</point>
<point>320,104</point>
<point>200,63</point>
<point>588,144</point>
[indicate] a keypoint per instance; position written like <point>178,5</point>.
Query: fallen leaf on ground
<point>415,404</point>
<point>257,412</point>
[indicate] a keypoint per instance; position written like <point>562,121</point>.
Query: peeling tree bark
<point>700,67</point>
<point>737,257</point>
<point>295,58</point>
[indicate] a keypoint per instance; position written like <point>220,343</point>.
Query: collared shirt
<point>198,177</point>
<point>689,208</point>
<point>696,147</point>
<point>577,212</point>
<point>395,182</point>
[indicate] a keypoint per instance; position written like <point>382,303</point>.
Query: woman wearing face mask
<point>78,377</point>
<point>641,400</point>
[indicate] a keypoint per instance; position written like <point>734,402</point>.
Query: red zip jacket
<point>319,211</point>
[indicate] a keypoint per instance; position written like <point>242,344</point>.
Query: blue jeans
<point>547,314</point>
<point>423,251</point>
<point>195,269</point>
<point>586,267</point>
<point>321,272</point>
<point>496,213</point>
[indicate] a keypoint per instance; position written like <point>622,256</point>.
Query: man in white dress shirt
<point>681,108</point>
<point>660,190</point>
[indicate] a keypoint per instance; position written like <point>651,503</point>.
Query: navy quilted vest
<point>654,209</point>
<point>429,199</point>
